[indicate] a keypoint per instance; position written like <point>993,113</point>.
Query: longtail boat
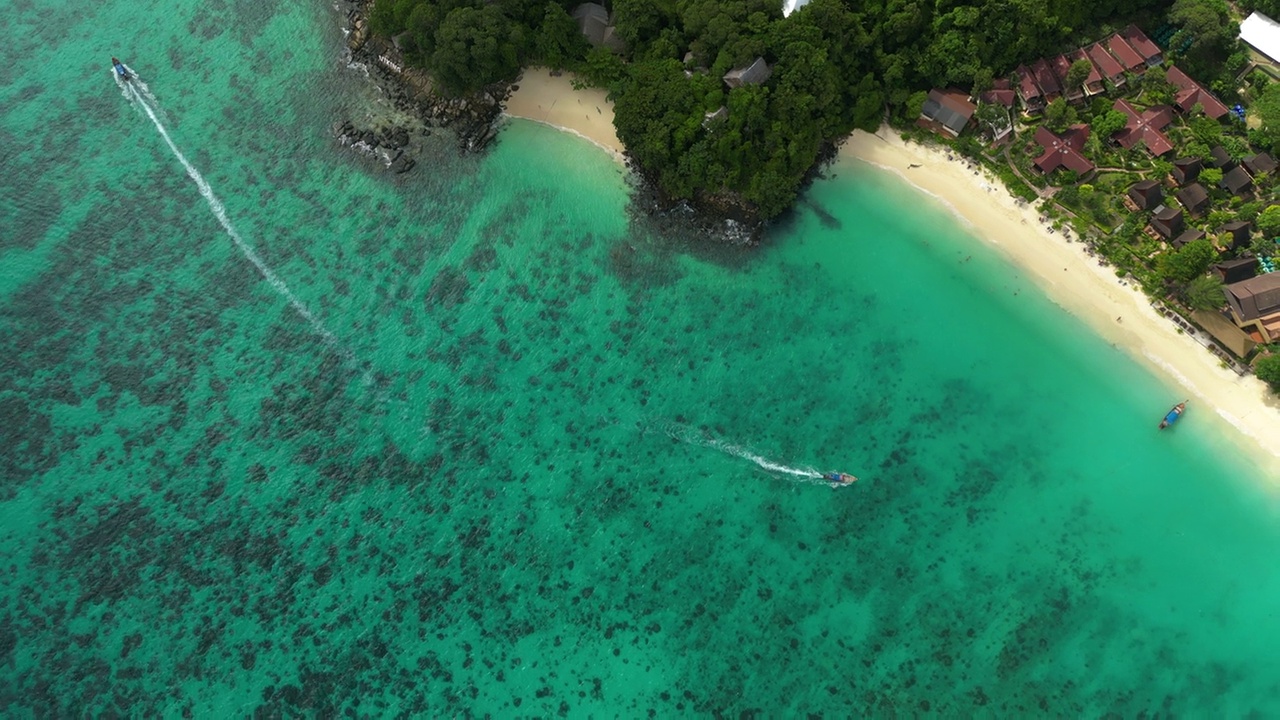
<point>1174,414</point>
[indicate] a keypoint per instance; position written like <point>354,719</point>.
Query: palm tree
<point>1205,293</point>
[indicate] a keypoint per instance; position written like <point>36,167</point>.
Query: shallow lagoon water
<point>520,479</point>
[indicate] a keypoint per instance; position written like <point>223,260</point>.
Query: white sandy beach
<point>1120,313</point>
<point>553,101</point>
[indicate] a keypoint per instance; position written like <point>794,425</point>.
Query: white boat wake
<point>140,96</point>
<point>701,438</point>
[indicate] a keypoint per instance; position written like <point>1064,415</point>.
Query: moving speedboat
<point>1173,415</point>
<point>839,478</point>
<point>121,70</point>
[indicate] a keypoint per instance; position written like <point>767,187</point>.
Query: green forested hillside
<point>837,65</point>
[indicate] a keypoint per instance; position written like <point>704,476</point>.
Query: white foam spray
<point>701,438</point>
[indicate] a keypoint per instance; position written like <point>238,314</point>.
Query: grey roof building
<point>593,21</point>
<point>1236,181</point>
<point>754,74</point>
<point>1255,305</point>
<point>1194,198</point>
<point>949,109</point>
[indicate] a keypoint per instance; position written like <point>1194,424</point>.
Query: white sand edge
<point>1118,311</point>
<point>553,101</point>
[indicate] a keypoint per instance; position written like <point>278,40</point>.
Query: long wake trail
<point>219,212</point>
<point>697,437</point>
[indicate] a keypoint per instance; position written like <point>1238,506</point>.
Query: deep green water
<point>516,480</point>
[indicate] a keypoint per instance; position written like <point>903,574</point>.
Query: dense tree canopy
<point>836,65</point>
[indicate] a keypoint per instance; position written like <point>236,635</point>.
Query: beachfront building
<point>1146,127</point>
<point>1144,195</point>
<point>1255,306</point>
<point>1167,222</point>
<point>1149,51</point>
<point>1262,34</point>
<point>946,111</point>
<point>1194,198</point>
<point>1028,92</point>
<point>1190,94</point>
<point>1225,332</point>
<point>754,74</point>
<point>1063,150</point>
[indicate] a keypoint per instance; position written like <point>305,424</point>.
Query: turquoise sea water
<point>514,468</point>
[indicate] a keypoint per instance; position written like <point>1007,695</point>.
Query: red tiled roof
<point>1191,93</point>
<point>1060,67</point>
<point>1128,57</point>
<point>1027,87</point>
<point>999,97</point>
<point>1104,62</point>
<point>1145,127</point>
<point>1139,41</point>
<point>1045,78</point>
<point>1094,78</point>
<point>1064,150</point>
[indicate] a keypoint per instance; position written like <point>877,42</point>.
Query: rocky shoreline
<point>472,120</point>
<point>475,122</point>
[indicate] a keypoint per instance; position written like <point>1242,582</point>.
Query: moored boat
<point>1172,416</point>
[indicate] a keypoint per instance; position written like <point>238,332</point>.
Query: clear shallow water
<point>518,481</point>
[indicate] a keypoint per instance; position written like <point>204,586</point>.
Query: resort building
<point>1028,92</point>
<point>1185,170</point>
<point>1138,40</point>
<point>1064,150</point>
<point>1221,158</point>
<point>1047,81</point>
<point>1236,181</point>
<point>1105,64</point>
<point>1262,34</point>
<point>1260,163</point>
<point>1236,235</point>
<point>593,22</point>
<point>1061,66</point>
<point>1145,195</point>
<point>1128,58</point>
<point>1255,306</point>
<point>1167,222</point>
<point>1234,271</point>
<point>754,74</point>
<point>947,111</point>
<point>1225,332</point>
<point>1145,127</point>
<point>1194,198</point>
<point>1190,93</point>
<point>1001,93</point>
<point>1093,83</point>
<point>1186,236</point>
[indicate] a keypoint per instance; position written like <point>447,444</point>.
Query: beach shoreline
<point>552,100</point>
<point>1062,268</point>
<point>1079,283</point>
